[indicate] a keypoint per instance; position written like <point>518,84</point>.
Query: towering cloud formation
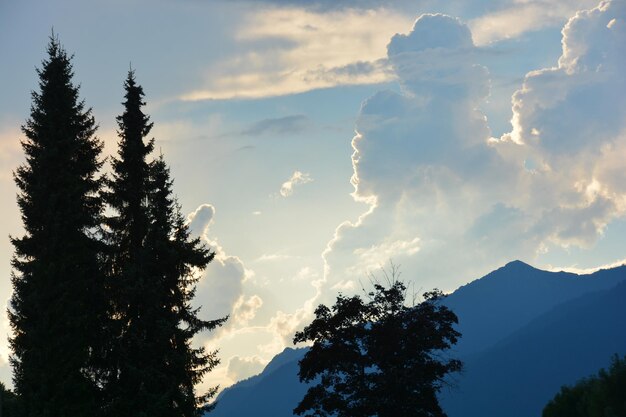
<point>221,287</point>
<point>449,202</point>
<point>433,123</point>
<point>420,157</point>
<point>571,121</point>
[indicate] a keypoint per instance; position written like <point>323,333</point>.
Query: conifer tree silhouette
<point>153,267</point>
<point>58,306</point>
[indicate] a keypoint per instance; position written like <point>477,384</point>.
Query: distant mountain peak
<point>518,264</point>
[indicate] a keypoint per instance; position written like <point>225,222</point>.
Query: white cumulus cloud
<point>446,201</point>
<point>221,285</point>
<point>242,367</point>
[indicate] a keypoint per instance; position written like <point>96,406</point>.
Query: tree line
<point>600,395</point>
<point>103,277</point>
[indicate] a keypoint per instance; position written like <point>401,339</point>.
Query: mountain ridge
<point>567,343</point>
<point>535,304</point>
<point>518,292</point>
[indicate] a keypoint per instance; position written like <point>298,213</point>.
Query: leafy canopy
<point>378,356</point>
<point>601,395</point>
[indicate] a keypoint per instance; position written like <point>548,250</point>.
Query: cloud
<point>571,117</point>
<point>221,286</point>
<point>431,128</point>
<point>291,50</point>
<point>305,274</point>
<point>287,125</point>
<point>200,220</point>
<point>448,202</point>
<point>519,17</point>
<point>377,255</point>
<point>242,367</point>
<point>585,271</point>
<point>283,325</point>
<point>291,47</point>
<point>273,257</point>
<point>245,309</point>
<point>225,289</point>
<point>431,31</point>
<point>296,179</point>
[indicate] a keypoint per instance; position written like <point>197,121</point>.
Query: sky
<point>314,142</point>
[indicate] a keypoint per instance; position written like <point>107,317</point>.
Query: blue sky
<point>313,142</point>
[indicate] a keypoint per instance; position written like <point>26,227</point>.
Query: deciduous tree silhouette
<point>377,357</point>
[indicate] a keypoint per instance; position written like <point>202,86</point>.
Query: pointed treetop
<point>130,79</point>
<point>55,49</point>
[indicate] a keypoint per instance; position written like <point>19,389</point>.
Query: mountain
<point>520,374</point>
<point>273,393</point>
<point>495,306</point>
<point>525,332</point>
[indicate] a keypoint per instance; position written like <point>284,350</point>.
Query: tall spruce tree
<point>58,304</point>
<point>128,261</point>
<point>177,260</point>
<point>153,265</point>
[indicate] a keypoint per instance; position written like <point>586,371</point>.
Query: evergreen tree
<point>58,304</point>
<point>128,260</point>
<point>177,262</point>
<point>153,266</point>
<point>8,402</point>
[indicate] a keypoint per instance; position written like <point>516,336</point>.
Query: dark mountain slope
<point>508,298</point>
<point>518,376</point>
<point>275,392</point>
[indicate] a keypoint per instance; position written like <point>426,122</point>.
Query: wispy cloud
<point>296,179</point>
<point>584,271</point>
<point>273,257</point>
<point>293,50</point>
<point>278,126</point>
<point>524,16</point>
